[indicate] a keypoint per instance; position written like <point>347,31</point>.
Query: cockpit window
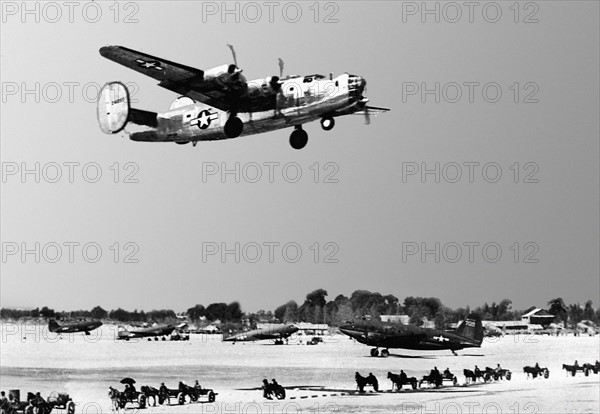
<point>308,79</point>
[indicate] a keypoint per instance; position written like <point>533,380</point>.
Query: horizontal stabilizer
<point>141,117</point>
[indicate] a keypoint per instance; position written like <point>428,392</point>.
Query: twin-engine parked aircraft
<point>153,331</point>
<point>219,103</point>
<point>86,327</point>
<point>469,334</point>
<point>276,332</point>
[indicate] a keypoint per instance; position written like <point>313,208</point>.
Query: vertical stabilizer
<point>471,328</point>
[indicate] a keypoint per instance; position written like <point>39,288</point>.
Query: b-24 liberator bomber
<point>219,103</point>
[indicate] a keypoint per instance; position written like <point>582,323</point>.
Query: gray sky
<point>375,212</point>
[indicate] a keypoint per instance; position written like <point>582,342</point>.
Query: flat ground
<point>319,379</point>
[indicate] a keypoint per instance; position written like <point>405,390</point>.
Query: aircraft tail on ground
<point>114,110</point>
<point>471,328</point>
<point>53,325</point>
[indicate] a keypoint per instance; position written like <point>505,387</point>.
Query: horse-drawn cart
<point>185,393</point>
<point>129,395</point>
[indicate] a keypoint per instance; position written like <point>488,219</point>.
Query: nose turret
<point>356,86</point>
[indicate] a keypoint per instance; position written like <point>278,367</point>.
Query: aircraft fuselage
<point>301,100</point>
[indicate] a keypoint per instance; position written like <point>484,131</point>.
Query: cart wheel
<point>546,373</point>
<point>454,381</point>
<point>508,376</point>
<point>181,398</point>
<point>211,396</point>
<point>71,407</point>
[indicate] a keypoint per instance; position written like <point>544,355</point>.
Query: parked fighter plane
<point>468,334</point>
<point>153,331</point>
<point>85,326</point>
<point>219,103</point>
<point>276,332</point>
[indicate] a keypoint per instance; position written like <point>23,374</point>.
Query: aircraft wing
<point>176,77</point>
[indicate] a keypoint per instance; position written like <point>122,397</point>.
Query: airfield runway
<point>319,379</point>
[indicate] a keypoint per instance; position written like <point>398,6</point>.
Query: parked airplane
<point>468,334</point>
<point>153,331</point>
<point>276,332</point>
<point>85,326</point>
<point>219,103</point>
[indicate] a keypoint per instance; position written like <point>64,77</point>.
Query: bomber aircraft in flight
<point>219,103</point>
<point>469,334</point>
<point>85,326</point>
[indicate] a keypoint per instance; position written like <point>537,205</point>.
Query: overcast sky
<point>367,219</point>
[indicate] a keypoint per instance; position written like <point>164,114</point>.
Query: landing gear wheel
<point>385,353</point>
<point>374,352</point>
<point>298,138</point>
<point>233,127</point>
<point>327,123</point>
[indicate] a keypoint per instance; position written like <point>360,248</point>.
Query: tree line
<point>361,304</point>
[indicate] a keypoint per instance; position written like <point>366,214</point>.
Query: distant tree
<point>588,311</point>
<point>291,312</point>
<point>233,312</point>
<point>312,308</point>
<point>98,313</point>
<point>46,312</point>
<point>575,314</point>
<point>196,312</point>
<point>558,309</point>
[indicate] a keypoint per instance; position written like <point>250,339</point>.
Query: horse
<point>151,392</point>
<point>399,382</point>
<point>361,382</point>
<point>469,375</point>
<point>572,369</point>
<point>592,367</point>
<point>40,405</point>
<point>117,397</point>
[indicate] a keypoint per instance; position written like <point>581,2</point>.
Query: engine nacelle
<point>267,86</point>
<point>225,75</point>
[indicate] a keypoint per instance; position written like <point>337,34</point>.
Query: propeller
<point>280,68</point>
<point>233,53</point>
<point>363,103</point>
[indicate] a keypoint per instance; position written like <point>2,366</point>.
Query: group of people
<point>11,404</point>
<point>435,373</point>
<point>4,403</point>
<point>270,389</point>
